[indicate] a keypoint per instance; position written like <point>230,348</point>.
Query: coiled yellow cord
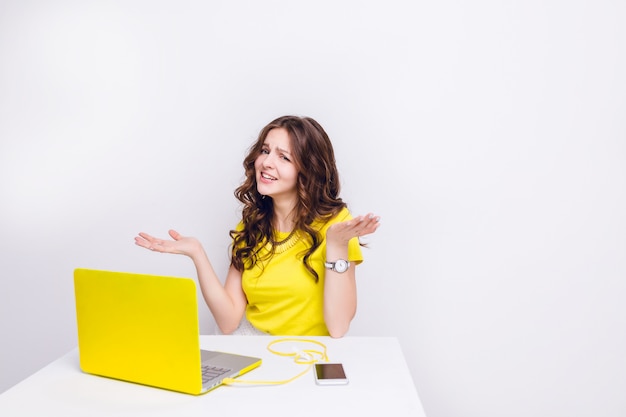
<point>303,357</point>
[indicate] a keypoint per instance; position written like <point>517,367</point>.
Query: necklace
<point>287,242</point>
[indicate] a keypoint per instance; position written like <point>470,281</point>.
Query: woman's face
<point>276,174</point>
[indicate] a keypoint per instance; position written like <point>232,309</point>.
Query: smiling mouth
<point>268,177</point>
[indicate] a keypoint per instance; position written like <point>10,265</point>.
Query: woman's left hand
<point>359,226</point>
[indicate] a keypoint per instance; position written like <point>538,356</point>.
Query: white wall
<point>490,136</point>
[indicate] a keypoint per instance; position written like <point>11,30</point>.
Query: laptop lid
<point>144,329</point>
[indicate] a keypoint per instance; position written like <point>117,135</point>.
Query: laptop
<point>144,329</point>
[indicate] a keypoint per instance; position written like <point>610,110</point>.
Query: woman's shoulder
<point>342,215</point>
<point>239,227</point>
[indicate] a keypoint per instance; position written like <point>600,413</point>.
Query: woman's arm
<point>340,288</point>
<point>228,302</point>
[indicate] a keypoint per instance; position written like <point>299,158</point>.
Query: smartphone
<point>330,374</point>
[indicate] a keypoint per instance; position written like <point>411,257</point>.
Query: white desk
<point>380,384</point>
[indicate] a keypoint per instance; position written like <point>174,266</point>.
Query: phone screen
<point>330,374</point>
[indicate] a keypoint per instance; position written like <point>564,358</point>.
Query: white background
<point>490,136</point>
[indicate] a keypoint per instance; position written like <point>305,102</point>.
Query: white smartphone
<point>330,374</point>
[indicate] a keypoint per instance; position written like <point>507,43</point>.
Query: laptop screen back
<point>139,328</point>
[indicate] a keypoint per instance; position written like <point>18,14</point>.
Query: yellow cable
<point>302,357</point>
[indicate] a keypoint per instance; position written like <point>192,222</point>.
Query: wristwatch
<point>341,265</point>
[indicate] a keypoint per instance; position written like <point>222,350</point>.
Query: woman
<point>295,250</point>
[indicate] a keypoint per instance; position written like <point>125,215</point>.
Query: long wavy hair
<point>317,188</point>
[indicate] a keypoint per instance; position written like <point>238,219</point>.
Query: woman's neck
<point>284,216</point>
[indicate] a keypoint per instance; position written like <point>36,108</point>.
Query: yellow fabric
<point>283,297</point>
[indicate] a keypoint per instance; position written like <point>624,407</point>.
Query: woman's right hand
<point>181,245</point>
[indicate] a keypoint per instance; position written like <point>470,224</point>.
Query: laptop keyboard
<point>211,372</point>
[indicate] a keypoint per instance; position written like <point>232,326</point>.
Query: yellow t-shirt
<point>283,297</point>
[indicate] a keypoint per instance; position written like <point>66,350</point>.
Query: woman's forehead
<point>278,138</point>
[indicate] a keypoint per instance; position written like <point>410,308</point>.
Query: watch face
<point>341,265</point>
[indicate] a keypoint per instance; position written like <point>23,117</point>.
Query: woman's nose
<point>268,160</point>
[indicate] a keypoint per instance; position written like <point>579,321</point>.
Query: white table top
<point>380,384</point>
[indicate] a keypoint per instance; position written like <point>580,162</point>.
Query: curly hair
<point>317,189</point>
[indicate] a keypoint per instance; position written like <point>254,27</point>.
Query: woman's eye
<point>264,151</point>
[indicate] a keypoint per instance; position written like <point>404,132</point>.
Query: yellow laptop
<point>144,329</point>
